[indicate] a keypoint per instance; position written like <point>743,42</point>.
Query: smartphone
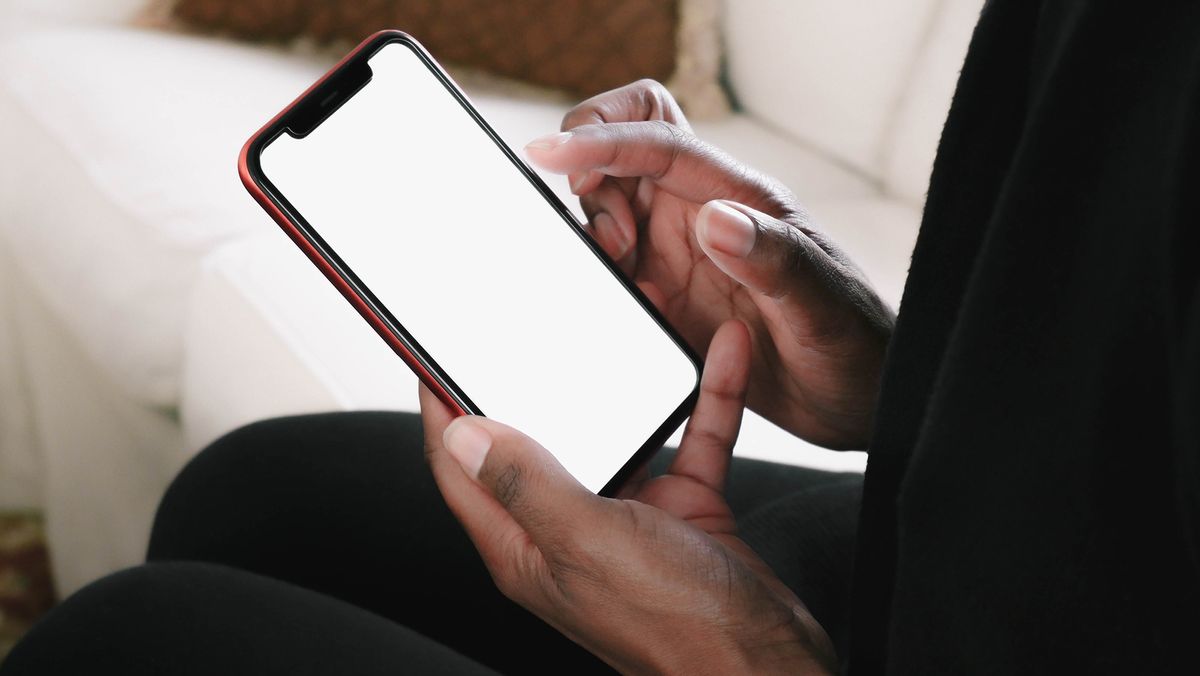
<point>467,264</point>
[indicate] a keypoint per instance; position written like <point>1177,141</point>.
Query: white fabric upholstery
<point>145,148</point>
<point>20,464</point>
<point>105,457</point>
<point>808,172</point>
<point>97,11</point>
<point>828,73</point>
<point>260,311</point>
<point>18,17</point>
<point>917,125</point>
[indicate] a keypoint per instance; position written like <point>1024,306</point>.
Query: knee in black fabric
<point>283,474</point>
<point>341,503</point>
<point>345,504</point>
<point>189,618</point>
<point>808,540</point>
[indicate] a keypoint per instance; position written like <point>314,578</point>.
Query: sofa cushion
<point>913,139</point>
<point>90,11</point>
<point>828,73</point>
<point>269,336</point>
<point>20,471</point>
<point>125,177</point>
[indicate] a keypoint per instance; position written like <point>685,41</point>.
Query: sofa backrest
<point>868,83</point>
<point>910,144</point>
<point>17,12</point>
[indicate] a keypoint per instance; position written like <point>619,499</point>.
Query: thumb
<point>525,478</point>
<point>777,259</point>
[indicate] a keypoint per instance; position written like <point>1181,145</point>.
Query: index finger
<point>677,161</point>
<point>712,429</point>
<point>639,101</point>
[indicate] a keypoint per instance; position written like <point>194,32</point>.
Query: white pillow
<point>827,72</point>
<point>917,128</point>
<point>18,13</point>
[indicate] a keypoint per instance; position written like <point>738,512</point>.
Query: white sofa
<point>147,305</point>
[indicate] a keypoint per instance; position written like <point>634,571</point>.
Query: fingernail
<point>549,141</point>
<point>578,182</point>
<point>726,229</point>
<point>469,443</point>
<point>606,228</point>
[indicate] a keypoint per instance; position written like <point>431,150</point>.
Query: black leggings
<point>320,545</point>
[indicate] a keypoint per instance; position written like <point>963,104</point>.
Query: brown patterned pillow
<point>580,46</point>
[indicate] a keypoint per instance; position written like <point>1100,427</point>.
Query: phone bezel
<point>344,77</point>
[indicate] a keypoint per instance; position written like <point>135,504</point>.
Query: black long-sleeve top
<point>1031,498</point>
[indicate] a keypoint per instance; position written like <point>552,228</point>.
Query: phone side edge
<point>249,180</point>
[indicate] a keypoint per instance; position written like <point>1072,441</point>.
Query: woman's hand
<point>657,582</point>
<point>710,239</point>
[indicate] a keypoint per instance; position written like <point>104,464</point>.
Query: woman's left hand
<point>656,581</point>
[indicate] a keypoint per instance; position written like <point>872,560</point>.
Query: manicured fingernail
<point>726,229</point>
<point>577,182</point>
<point>610,236</point>
<point>469,443</point>
<point>549,141</point>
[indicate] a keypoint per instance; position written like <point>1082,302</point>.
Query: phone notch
<point>331,95</point>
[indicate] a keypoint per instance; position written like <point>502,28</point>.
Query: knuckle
<point>530,585</point>
<point>709,437</point>
<point>794,254</point>
<point>655,96</point>
<point>646,94</point>
<point>514,587</point>
<point>508,582</point>
<point>678,142</point>
<point>507,483</point>
<point>798,257</point>
<point>649,85</point>
<point>674,134</point>
<point>510,570</point>
<point>579,115</point>
<point>657,102</point>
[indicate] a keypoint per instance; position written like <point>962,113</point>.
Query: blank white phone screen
<point>485,274</point>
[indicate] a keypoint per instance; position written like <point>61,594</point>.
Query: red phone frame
<point>297,236</point>
<point>254,183</point>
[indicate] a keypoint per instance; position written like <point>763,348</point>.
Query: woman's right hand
<point>709,239</point>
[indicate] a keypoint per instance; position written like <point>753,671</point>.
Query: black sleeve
<point>1187,424</point>
<point>1182,263</point>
